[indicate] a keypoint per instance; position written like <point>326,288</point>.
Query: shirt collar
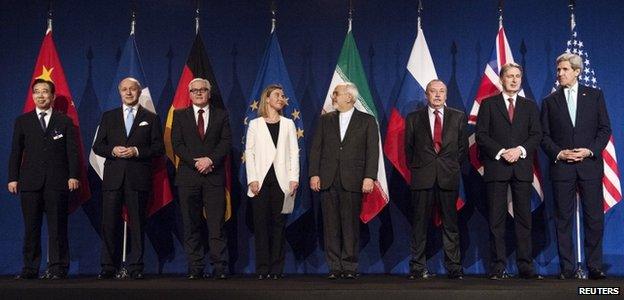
<point>514,97</point>
<point>574,87</point>
<point>134,107</point>
<point>432,110</point>
<point>48,111</point>
<point>197,108</point>
<point>348,113</point>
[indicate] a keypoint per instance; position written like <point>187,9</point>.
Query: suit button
<point>340,148</point>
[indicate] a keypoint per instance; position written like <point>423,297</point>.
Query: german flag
<point>198,66</point>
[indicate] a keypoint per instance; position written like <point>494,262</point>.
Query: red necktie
<point>200,123</point>
<point>510,109</point>
<point>437,131</point>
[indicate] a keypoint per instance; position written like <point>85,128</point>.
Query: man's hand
<point>124,152</point>
<point>73,184</point>
<point>581,153</point>
<point>315,183</point>
<point>367,185</point>
<point>294,185</point>
<point>203,165</point>
<point>255,187</point>
<point>13,187</point>
<point>574,155</point>
<point>512,155</point>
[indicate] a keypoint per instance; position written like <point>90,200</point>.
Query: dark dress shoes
<point>534,276</point>
<point>195,276</point>
<point>597,274</point>
<point>220,275</point>
<point>26,275</point>
<point>263,276</point>
<point>137,275</point>
<point>349,275</point>
<point>499,275</point>
<point>106,274</point>
<point>276,276</point>
<point>420,274</point>
<point>459,275</point>
<point>566,275</point>
<point>333,275</point>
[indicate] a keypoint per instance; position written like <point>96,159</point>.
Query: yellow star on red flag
<point>46,74</point>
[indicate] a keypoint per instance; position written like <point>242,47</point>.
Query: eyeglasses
<point>197,91</point>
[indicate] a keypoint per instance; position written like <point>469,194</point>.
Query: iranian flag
<point>350,69</point>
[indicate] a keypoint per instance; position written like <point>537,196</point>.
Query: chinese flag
<point>49,67</point>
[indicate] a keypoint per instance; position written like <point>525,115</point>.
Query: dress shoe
<point>220,275</point>
<point>195,276</point>
<point>499,275</point>
<point>420,274</point>
<point>263,276</point>
<point>531,275</point>
<point>333,275</point>
<point>106,274</point>
<point>276,276</point>
<point>46,275</point>
<point>122,274</point>
<point>349,275</point>
<point>596,274</point>
<point>26,275</point>
<point>137,275</point>
<point>59,276</point>
<point>456,275</point>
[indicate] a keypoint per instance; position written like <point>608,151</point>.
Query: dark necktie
<point>42,120</point>
<point>510,109</point>
<point>200,123</point>
<point>437,131</point>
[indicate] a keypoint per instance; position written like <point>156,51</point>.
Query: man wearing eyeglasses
<point>201,139</point>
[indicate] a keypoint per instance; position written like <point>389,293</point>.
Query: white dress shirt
<point>345,118</point>
<point>47,116</point>
<point>205,115</point>
<point>432,118</point>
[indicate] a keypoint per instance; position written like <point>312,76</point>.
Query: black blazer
<point>425,164</point>
<point>187,145</point>
<point>145,134</point>
<point>495,131</point>
<point>39,157</point>
<point>592,131</point>
<point>351,160</point>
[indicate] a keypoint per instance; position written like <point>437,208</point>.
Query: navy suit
<point>592,131</point>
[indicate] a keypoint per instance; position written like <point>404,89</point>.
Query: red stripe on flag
<point>502,55</point>
<point>394,145</point>
<point>373,203</point>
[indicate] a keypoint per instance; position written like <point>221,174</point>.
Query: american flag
<point>490,85</point>
<point>612,191</point>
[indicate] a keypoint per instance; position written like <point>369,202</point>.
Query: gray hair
<point>131,79</point>
<point>508,66</point>
<point>575,61</point>
<point>432,82</point>
<point>200,80</point>
<point>351,89</point>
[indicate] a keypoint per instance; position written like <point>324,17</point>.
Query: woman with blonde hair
<point>272,164</point>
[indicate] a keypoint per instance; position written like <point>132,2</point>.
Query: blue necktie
<point>129,120</point>
<point>571,106</point>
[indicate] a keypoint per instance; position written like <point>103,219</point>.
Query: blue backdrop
<point>89,36</point>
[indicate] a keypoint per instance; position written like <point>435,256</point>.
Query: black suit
<point>42,163</point>
<point>592,131</point>
<point>342,167</point>
<point>435,178</point>
<point>199,192</point>
<point>495,131</point>
<point>126,180</point>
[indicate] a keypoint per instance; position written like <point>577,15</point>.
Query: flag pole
<point>273,16</point>
<point>580,272</point>
<point>500,13</point>
<point>420,9</point>
<point>49,22</point>
<point>350,15</point>
<point>197,17</point>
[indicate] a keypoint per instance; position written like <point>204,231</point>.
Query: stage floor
<point>300,287</point>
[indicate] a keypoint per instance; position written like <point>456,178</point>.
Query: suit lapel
<point>446,122</point>
<point>335,123</point>
<point>266,133</point>
<point>352,124</point>
<point>502,106</point>
<point>580,102</point>
<point>426,124</point>
<point>190,115</point>
<point>52,122</point>
<point>210,120</point>
<point>563,104</point>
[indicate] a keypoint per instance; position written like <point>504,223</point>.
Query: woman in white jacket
<point>272,164</point>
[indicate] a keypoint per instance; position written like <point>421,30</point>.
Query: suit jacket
<point>261,153</point>
<point>187,145</point>
<point>145,135</point>
<point>425,164</point>
<point>351,160</point>
<point>592,131</point>
<point>41,158</point>
<point>495,131</point>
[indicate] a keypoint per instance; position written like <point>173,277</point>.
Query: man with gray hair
<point>576,129</point>
<point>343,165</point>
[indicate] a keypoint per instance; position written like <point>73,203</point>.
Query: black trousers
<point>593,221</point>
<point>422,202</point>
<point>54,203</point>
<point>497,202</point>
<point>112,227</point>
<point>341,225</point>
<point>194,201</point>
<point>269,224</point>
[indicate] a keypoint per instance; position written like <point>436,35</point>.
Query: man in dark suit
<point>201,140</point>
<point>435,146</point>
<point>343,164</point>
<point>508,133</point>
<point>576,129</point>
<point>43,167</point>
<point>129,137</point>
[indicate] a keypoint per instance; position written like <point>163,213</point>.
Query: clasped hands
<point>125,152</point>
<point>367,184</point>
<point>511,155</point>
<point>574,155</point>
<point>204,165</point>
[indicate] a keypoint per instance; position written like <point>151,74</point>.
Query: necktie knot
<point>200,112</point>
<point>43,114</point>
<point>42,121</point>
<point>436,112</point>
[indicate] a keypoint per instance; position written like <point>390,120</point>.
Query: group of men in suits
<point>573,129</point>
